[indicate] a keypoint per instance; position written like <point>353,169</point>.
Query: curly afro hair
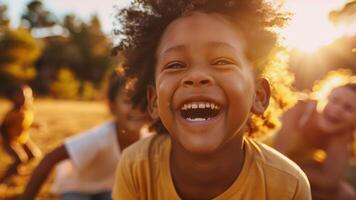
<point>144,22</point>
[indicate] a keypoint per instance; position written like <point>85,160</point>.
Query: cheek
<point>352,119</point>
<point>239,90</point>
<point>330,107</point>
<point>121,109</point>
<point>165,88</point>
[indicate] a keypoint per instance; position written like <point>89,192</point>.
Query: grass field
<point>58,120</point>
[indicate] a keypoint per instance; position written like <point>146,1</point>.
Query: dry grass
<point>58,120</point>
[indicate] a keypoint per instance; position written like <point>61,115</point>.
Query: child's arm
<point>286,134</point>
<point>42,171</point>
<point>328,176</point>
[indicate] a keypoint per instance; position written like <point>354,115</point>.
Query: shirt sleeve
<point>82,149</point>
<point>124,185</point>
<point>303,191</point>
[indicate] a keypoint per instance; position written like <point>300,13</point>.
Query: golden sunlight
<point>333,79</point>
<point>309,28</point>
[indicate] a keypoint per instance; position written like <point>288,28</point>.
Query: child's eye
<point>175,65</point>
<point>223,61</point>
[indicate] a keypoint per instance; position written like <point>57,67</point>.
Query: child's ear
<point>152,102</point>
<point>263,93</point>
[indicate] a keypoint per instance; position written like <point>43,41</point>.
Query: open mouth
<point>199,111</point>
<point>331,119</point>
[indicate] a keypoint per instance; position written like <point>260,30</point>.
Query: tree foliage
<point>82,47</point>
<point>66,85</point>
<point>36,16</point>
<point>18,53</point>
<point>4,20</point>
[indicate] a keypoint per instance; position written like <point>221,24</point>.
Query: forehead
<point>129,87</point>
<point>199,28</point>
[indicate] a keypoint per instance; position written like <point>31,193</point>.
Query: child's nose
<point>197,78</point>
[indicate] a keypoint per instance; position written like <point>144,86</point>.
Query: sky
<point>83,8</point>
<point>308,29</point>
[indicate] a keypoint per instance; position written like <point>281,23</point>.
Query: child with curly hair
<point>195,62</point>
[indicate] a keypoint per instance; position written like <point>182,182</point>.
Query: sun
<point>309,27</point>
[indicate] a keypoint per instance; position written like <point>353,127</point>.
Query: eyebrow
<point>210,45</point>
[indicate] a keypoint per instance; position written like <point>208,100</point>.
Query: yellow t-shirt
<point>17,124</point>
<point>266,174</point>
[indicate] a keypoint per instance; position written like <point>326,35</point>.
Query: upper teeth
<point>196,105</point>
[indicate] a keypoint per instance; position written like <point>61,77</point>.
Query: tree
<point>94,48</point>
<point>347,15</point>
<point>4,20</point>
<point>37,16</point>
<point>85,51</point>
<point>18,53</point>
<point>58,52</point>
<point>66,85</point>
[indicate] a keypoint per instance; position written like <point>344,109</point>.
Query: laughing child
<point>195,61</point>
<point>319,140</point>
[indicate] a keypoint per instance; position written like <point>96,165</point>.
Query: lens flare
<point>309,27</point>
<point>333,79</point>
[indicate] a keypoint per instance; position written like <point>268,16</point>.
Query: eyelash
<point>171,65</point>
<point>224,60</point>
<point>218,61</point>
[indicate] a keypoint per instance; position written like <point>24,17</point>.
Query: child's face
<point>204,87</point>
<point>340,111</point>
<point>128,118</point>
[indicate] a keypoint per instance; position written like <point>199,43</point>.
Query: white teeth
<point>197,119</point>
<point>195,105</point>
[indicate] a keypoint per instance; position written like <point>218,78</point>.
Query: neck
<point>126,138</point>
<point>213,173</point>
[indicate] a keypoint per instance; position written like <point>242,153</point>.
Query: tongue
<point>204,113</point>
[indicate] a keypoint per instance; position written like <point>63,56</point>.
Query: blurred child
<point>195,61</point>
<point>15,129</point>
<point>318,141</point>
<point>89,159</point>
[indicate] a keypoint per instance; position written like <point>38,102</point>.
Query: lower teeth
<point>197,119</point>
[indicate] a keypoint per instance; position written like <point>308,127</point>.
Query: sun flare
<point>333,79</point>
<point>309,27</point>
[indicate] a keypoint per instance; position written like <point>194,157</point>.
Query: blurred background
<point>62,49</point>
